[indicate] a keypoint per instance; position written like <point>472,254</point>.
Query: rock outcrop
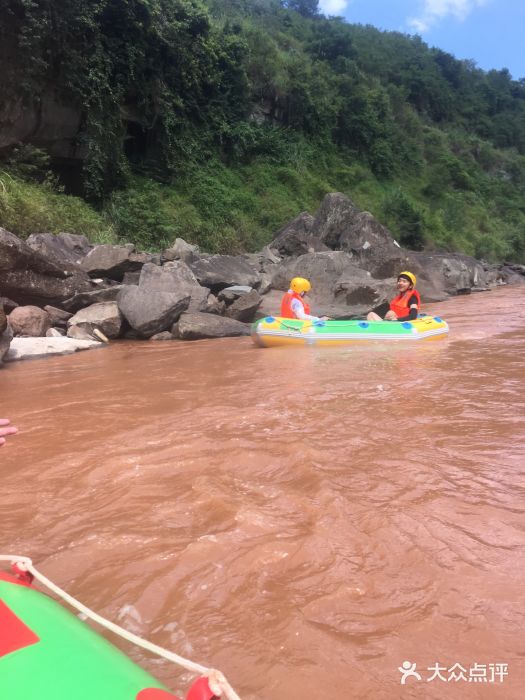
<point>52,282</point>
<point>29,277</point>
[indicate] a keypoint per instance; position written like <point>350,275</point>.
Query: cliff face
<point>45,121</point>
<point>31,108</point>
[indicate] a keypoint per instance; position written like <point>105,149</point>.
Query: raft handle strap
<point>23,567</point>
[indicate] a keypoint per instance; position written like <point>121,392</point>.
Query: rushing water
<point>303,519</point>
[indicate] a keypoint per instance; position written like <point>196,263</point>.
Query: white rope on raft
<point>216,680</point>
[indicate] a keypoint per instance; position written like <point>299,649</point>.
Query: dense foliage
<point>218,122</point>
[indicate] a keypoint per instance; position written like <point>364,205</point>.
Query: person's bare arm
<point>6,429</point>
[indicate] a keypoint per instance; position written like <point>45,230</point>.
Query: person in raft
<point>6,429</point>
<point>404,307</point>
<point>294,305</point>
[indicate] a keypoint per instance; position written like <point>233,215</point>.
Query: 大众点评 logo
<point>476,673</point>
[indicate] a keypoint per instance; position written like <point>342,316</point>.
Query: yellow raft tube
<point>274,331</point>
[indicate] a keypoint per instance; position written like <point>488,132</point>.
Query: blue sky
<point>490,32</point>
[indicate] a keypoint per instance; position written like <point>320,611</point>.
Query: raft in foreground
<point>46,653</point>
<point>273,331</point>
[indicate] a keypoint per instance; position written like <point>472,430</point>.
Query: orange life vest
<point>286,304</point>
<point>399,305</point>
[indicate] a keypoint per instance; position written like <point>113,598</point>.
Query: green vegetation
<point>217,123</point>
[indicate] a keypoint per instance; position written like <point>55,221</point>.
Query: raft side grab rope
<point>216,680</point>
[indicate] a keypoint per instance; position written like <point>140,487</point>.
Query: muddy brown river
<point>306,520</point>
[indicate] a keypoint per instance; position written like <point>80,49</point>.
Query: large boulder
<point>3,319</point>
<point>354,297</point>
<point>180,250</point>
<point>244,306</point>
<point>80,301</point>
<point>297,237</point>
<point>29,287</point>
<point>342,226</point>
<point>323,270</point>
<point>17,255</point>
<point>28,277</point>
<point>197,326</point>
<point>219,271</point>
<point>105,317</point>
<point>177,278</point>
<point>57,317</point>
<point>148,313</point>
<point>29,321</point>
<point>442,274</point>
<point>114,261</point>
<point>333,217</point>
<point>271,305</point>
<point>371,244</point>
<point>64,248</point>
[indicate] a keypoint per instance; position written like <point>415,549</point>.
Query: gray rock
<point>168,278</point>
<point>266,283</point>
<point>333,217</point>
<point>368,240</point>
<point>80,333</point>
<point>113,261</point>
<point>29,287</point>
<point>80,301</point>
<point>7,304</point>
<point>57,317</point>
<point>181,250</point>
<point>64,248</point>
<point>150,313</point>
<point>442,274</point>
<point>165,335</point>
<point>297,238</point>
<point>131,277</point>
<point>104,316</point>
<point>30,278</point>
<point>16,254</point>
<point>323,270</point>
<point>244,307</point>
<point>175,278</point>
<point>219,271</point>
<point>215,306</point>
<point>198,326</point>
<point>231,293</point>
<point>271,304</point>
<point>270,254</point>
<point>55,333</point>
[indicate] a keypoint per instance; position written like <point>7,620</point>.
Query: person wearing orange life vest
<point>293,303</point>
<point>405,306</point>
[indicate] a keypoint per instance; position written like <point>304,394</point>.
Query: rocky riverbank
<point>76,295</point>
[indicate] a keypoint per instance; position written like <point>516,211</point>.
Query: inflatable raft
<point>273,330</point>
<point>46,653</point>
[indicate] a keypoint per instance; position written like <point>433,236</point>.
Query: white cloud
<point>435,10</point>
<point>333,7</point>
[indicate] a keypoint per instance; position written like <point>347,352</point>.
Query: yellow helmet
<point>411,277</point>
<point>299,285</point>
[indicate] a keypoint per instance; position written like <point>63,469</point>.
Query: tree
<point>306,8</point>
